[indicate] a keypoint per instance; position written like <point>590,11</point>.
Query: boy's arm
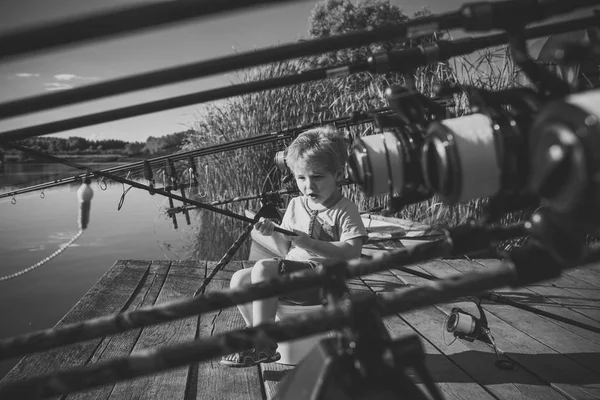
<point>341,250</point>
<point>267,228</point>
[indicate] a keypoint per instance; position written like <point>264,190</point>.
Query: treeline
<point>81,146</point>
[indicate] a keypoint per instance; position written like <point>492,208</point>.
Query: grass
<point>251,170</point>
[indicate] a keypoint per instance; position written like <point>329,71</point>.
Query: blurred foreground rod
<point>122,20</point>
<point>398,61</point>
<point>477,16</point>
<point>458,240</point>
<point>530,265</point>
<point>249,59</point>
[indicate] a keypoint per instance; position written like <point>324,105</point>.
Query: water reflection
<point>33,228</point>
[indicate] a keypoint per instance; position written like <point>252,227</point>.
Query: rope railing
<point>458,240</point>
<point>527,266</point>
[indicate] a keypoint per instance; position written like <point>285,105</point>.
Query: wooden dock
<point>554,360</point>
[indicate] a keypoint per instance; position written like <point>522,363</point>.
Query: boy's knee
<point>267,268</point>
<point>240,278</point>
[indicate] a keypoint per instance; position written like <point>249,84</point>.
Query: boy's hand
<point>301,239</point>
<point>265,227</point>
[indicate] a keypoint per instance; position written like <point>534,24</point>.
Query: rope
<point>44,261</point>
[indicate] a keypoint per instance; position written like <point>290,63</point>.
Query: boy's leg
<point>264,310</point>
<point>241,278</point>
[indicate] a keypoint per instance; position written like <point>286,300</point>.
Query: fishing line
<point>124,193</point>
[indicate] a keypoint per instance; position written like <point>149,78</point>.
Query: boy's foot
<point>251,357</point>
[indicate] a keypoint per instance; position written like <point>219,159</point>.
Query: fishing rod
<point>481,16</point>
<point>166,193</point>
<point>176,210</point>
<point>397,61</point>
<point>354,118</point>
<point>125,19</point>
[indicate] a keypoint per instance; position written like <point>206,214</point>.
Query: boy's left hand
<point>301,239</point>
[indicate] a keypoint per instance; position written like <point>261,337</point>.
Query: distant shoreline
<point>78,158</point>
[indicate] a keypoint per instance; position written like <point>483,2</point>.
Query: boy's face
<point>316,183</point>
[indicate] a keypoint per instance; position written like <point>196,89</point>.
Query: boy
<point>328,226</point>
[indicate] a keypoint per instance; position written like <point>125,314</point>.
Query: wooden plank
<point>213,380</point>
<point>552,299</point>
<point>545,330</point>
<point>122,344</point>
<point>572,293</point>
<point>460,371</point>
<point>453,382</point>
<point>589,275</point>
<point>560,371</point>
<point>182,281</point>
<point>109,295</point>
<point>476,358</point>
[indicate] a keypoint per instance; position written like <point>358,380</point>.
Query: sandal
<point>251,357</point>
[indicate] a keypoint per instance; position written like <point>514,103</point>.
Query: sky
<point>126,55</point>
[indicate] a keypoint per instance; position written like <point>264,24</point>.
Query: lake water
<point>35,227</point>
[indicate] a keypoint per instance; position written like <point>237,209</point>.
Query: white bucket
<point>293,352</point>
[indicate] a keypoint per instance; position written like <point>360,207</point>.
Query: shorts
<point>305,297</point>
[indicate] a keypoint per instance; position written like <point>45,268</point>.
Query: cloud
<point>26,75</point>
<point>57,86</point>
<point>73,77</point>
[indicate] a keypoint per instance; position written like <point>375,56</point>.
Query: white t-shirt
<point>340,222</point>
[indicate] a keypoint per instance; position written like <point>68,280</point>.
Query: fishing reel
<point>483,154</point>
<point>466,326</point>
<point>282,166</point>
<point>565,156</point>
<point>390,161</point>
<point>565,150</point>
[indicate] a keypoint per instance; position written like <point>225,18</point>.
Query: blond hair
<point>322,146</point>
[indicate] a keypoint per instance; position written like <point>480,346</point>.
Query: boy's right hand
<point>265,227</point>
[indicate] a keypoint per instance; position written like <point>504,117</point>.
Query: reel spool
<point>466,326</point>
<point>483,154</point>
<point>565,155</point>
<point>280,161</point>
<point>282,166</point>
<point>389,163</point>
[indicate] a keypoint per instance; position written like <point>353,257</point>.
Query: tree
<point>337,17</point>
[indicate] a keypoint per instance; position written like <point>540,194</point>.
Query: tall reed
<point>250,171</point>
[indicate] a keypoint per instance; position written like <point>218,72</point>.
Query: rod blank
<point>125,19</point>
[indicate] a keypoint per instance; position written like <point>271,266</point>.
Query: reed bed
<point>251,171</point>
